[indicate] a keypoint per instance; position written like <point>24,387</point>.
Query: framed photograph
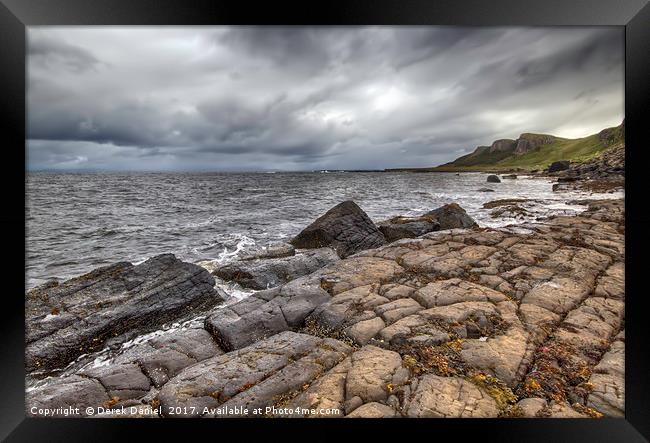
<point>415,215</point>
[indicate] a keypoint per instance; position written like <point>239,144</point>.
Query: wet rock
<point>561,165</point>
<point>511,211</point>
<point>78,316</point>
<point>122,382</point>
<point>408,227</point>
<point>485,190</point>
<point>70,392</point>
<point>165,356</point>
<point>273,250</point>
<point>127,379</point>
<point>493,179</point>
<point>452,216</point>
<point>345,228</point>
<point>450,397</point>
<point>268,273</point>
<point>510,176</point>
<point>504,202</point>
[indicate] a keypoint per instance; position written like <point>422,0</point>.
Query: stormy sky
<point>305,98</point>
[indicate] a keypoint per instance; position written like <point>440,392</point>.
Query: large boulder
<point>451,216</point>
<point>345,228</point>
<point>561,165</point>
<point>114,302</point>
<point>493,179</point>
<point>264,274</point>
<point>408,227</point>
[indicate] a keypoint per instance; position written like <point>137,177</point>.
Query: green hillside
<point>537,155</point>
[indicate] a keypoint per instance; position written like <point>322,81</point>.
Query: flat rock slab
<point>253,377</point>
<point>74,392</point>
<point>286,307</point>
<point>163,357</point>
<point>268,273</point>
<point>359,386</point>
<point>345,228</point>
<point>450,397</point>
<point>608,381</point>
<point>81,314</point>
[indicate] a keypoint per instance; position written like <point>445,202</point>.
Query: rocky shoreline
<point>428,316</point>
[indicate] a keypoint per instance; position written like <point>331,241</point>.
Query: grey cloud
<point>309,97</point>
<point>55,53</point>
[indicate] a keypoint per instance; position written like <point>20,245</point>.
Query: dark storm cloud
<point>246,98</point>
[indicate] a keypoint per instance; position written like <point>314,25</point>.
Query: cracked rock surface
<point>524,321</point>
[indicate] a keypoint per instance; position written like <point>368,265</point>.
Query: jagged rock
<point>408,227</point>
<point>252,377</point>
<point>450,397</point>
<point>493,179</point>
<point>503,145</point>
<point>560,165</point>
<point>449,216</point>
<point>452,216</point>
<point>345,228</point>
<point>79,315</point>
<point>528,142</point>
<point>268,273</point>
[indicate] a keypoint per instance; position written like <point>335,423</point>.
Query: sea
<point>76,222</point>
<point>79,221</point>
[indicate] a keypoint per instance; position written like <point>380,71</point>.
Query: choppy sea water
<point>77,222</point>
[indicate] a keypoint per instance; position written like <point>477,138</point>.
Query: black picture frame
<point>16,15</point>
